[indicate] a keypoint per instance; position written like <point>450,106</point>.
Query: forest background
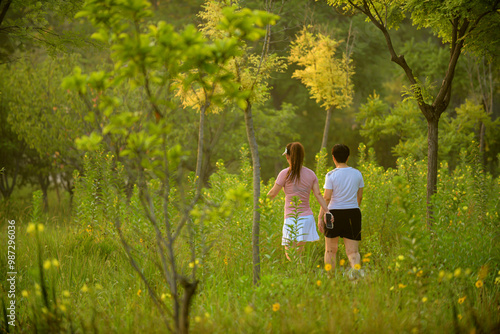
<point>52,107</point>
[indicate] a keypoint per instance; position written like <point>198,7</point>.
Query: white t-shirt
<point>344,183</point>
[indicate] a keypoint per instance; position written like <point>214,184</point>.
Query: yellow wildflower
<point>139,292</point>
<point>197,318</point>
<point>366,260</point>
<point>31,228</point>
<point>40,227</point>
<point>328,267</point>
<point>276,307</point>
<point>55,263</point>
<point>355,310</point>
<point>342,262</point>
<point>479,284</point>
<point>46,265</point>
<point>318,283</point>
<point>461,300</point>
<point>248,309</point>
<point>401,286</point>
<point>66,293</point>
<point>424,299</point>
<point>459,317</point>
<point>357,266</point>
<point>84,288</point>
<point>25,294</point>
<point>420,273</point>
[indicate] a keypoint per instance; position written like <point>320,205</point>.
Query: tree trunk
<point>324,142</point>
<point>4,10</point>
<point>44,182</point>
<point>482,131</point>
<point>189,293</point>
<point>432,165</point>
<point>199,159</point>
<point>5,188</point>
<point>252,141</point>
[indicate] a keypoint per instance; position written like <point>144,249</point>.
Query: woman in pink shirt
<point>299,181</point>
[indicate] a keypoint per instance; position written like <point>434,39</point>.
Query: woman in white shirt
<point>343,193</point>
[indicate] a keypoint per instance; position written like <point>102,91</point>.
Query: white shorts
<point>303,230</point>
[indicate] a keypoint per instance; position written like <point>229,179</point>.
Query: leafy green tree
<point>28,23</point>
<point>327,78</point>
<point>11,150</point>
<point>483,79</point>
<point>47,117</point>
<point>251,71</point>
<point>158,61</point>
<point>405,123</point>
<point>463,25</point>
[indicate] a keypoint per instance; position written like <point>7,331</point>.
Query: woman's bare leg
<point>352,251</point>
<point>300,248</point>
<point>331,247</point>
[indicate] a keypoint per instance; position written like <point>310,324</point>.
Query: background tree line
<point>41,44</point>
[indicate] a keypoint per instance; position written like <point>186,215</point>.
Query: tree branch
<point>443,97</point>
<point>400,60</point>
<point>4,10</point>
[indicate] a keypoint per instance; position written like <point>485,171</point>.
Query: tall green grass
<point>446,279</point>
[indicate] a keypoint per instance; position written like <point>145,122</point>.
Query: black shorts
<point>346,224</point>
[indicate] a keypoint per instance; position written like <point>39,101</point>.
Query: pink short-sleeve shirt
<point>301,188</point>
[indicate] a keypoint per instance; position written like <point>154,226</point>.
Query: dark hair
<point>296,152</point>
<point>340,152</point>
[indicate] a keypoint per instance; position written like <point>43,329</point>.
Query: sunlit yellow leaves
<point>327,77</point>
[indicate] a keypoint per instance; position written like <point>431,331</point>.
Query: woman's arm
<point>321,200</point>
<point>360,196</point>
<point>324,208</point>
<point>274,191</point>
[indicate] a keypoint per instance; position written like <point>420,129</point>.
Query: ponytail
<point>296,152</point>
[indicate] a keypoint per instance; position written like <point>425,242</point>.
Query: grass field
<point>418,280</point>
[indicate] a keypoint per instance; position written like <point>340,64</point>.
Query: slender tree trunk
<point>189,292</point>
<point>56,186</point>
<point>252,141</point>
<point>199,159</point>
<point>324,142</point>
<point>4,10</point>
<point>482,131</point>
<point>44,184</point>
<point>432,164</point>
<point>5,188</point>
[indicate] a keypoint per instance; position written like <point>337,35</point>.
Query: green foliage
<point>30,23</point>
<point>44,115</point>
<point>405,123</point>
